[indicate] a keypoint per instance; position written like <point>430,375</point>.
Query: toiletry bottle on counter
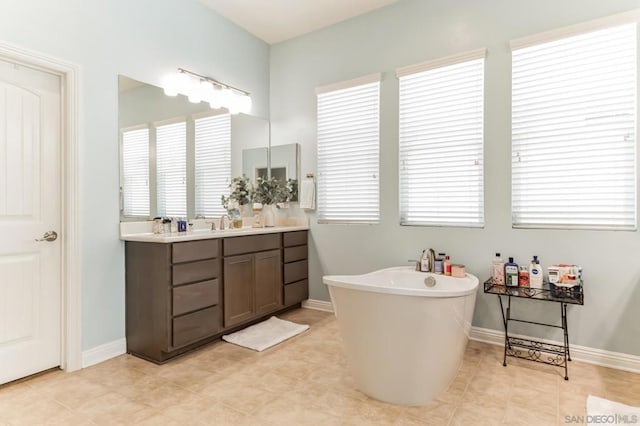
<point>438,264</point>
<point>523,276</point>
<point>424,262</point>
<point>166,225</point>
<point>497,273</point>
<point>535,274</point>
<point>447,265</point>
<point>157,225</point>
<point>511,273</point>
<point>237,219</point>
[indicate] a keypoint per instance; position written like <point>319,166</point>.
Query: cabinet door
<point>239,272</point>
<point>268,281</point>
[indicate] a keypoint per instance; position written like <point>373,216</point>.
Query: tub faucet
<point>432,260</point>
<point>224,222</point>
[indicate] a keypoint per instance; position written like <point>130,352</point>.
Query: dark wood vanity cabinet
<point>173,296</point>
<point>295,267</point>
<point>253,279</point>
<point>184,294</point>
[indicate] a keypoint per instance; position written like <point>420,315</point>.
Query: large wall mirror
<point>177,157</point>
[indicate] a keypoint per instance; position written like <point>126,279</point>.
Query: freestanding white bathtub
<point>404,341</point>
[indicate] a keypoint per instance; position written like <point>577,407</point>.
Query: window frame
<point>632,17</point>
<point>355,83</point>
<point>423,67</point>
<point>124,130</point>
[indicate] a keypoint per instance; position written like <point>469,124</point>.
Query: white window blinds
<point>171,154</point>
<point>573,131</point>
<point>135,171</point>
<point>212,163</point>
<point>348,151</point>
<point>441,141</point>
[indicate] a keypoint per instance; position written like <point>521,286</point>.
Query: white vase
<point>268,215</point>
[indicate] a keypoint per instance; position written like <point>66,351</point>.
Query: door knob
<point>48,236</point>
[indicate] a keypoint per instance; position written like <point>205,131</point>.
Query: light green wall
<point>413,31</point>
<point>143,39</point>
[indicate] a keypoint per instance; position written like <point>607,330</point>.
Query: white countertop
<point>205,234</point>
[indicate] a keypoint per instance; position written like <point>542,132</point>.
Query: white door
<point>30,271</point>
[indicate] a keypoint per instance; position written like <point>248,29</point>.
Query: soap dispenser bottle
<point>511,273</point>
<point>535,273</point>
<point>497,273</point>
<point>424,262</point>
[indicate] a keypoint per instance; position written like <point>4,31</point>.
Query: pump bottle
<point>535,273</point>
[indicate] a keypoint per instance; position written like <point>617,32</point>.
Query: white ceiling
<point>277,20</point>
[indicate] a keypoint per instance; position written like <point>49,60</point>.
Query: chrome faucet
<point>222,222</point>
<point>431,255</point>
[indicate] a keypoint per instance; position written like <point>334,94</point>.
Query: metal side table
<point>535,350</point>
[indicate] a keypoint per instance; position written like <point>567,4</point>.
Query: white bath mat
<point>600,410</point>
<point>265,334</point>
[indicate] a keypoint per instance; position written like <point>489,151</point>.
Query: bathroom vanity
<point>183,291</point>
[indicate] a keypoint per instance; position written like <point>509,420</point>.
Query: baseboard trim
<point>104,352</point>
<point>617,360</point>
<point>318,305</point>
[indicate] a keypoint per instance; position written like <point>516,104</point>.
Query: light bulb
<point>215,101</point>
<point>225,97</point>
<point>245,104</point>
<point>170,85</point>
<point>182,82</point>
<point>206,90</point>
<point>235,103</point>
<point>194,94</point>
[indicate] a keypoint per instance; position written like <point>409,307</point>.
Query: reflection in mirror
<point>254,163</point>
<point>284,160</point>
<point>177,157</point>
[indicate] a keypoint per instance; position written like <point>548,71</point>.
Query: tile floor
<point>302,381</point>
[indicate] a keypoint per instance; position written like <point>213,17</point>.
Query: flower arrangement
<point>266,191</point>
<point>289,191</point>
<point>240,193</point>
<point>275,191</point>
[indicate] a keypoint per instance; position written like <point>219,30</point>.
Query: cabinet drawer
<point>250,244</point>
<point>295,271</point>
<point>296,292</point>
<point>193,327</point>
<point>296,238</point>
<point>196,296</point>
<point>195,271</point>
<point>195,250</point>
<point>291,254</point>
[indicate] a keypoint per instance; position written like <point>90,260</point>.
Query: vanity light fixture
<point>199,88</point>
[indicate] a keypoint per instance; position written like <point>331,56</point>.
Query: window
<point>573,130</point>
<point>171,153</point>
<point>213,163</point>
<point>135,169</point>
<point>441,141</point>
<point>348,151</point>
